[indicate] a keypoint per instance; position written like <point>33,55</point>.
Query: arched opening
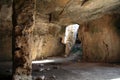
<point>73,44</point>
<point>71,32</point>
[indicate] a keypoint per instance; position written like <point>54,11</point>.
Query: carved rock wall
<point>47,40</point>
<point>23,23</point>
<point>51,17</point>
<point>5,30</point>
<point>101,39</point>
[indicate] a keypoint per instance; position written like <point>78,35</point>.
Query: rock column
<point>23,22</point>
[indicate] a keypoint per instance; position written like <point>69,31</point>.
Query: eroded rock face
<point>39,30</point>
<point>52,15</point>
<point>65,12</point>
<point>79,11</point>
<point>47,36</point>
<point>42,36</point>
<point>46,41</point>
<point>101,39</point>
<point>23,23</point>
<point>5,30</point>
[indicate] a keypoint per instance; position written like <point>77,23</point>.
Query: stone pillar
<point>100,39</point>
<point>23,22</point>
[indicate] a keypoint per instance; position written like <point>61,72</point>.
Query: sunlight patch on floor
<point>116,79</point>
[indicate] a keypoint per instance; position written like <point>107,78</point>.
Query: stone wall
<point>51,17</point>
<point>5,30</point>
<point>23,23</point>
<point>47,36</point>
<point>46,39</point>
<point>101,39</point>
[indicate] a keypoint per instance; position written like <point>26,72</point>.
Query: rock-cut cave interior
<point>59,39</point>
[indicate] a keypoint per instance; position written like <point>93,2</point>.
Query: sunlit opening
<point>71,31</point>
<point>116,79</point>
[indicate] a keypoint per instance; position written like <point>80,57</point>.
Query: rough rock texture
<point>77,11</point>
<point>65,12</point>
<point>101,39</point>
<point>40,34</point>
<point>47,39</point>
<point>23,23</point>
<point>47,36</point>
<point>5,30</point>
<point>51,18</point>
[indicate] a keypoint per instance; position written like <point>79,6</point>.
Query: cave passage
<point>39,40</point>
<point>71,39</point>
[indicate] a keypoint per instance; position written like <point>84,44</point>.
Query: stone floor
<point>68,71</point>
<point>78,71</point>
<point>5,70</point>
